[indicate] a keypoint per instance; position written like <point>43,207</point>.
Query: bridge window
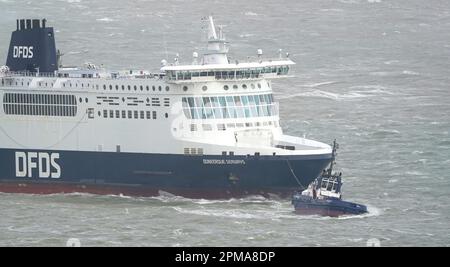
<point>224,107</point>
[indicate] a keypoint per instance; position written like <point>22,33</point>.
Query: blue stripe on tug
<point>207,176</point>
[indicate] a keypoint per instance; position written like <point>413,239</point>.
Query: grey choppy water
<point>374,74</point>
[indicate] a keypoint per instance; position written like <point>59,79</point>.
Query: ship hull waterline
<point>141,174</point>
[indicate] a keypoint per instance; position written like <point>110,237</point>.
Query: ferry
<point>207,129</point>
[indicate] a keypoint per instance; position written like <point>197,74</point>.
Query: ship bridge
<point>215,64</point>
<point>270,69</point>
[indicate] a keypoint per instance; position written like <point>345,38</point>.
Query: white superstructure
<point>214,107</point>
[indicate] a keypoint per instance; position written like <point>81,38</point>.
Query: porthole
<point>86,100</point>
<point>185,88</point>
<point>159,88</point>
<point>252,86</point>
<point>148,100</point>
<point>99,114</point>
<point>104,87</point>
<point>117,87</point>
<point>147,88</point>
<point>153,88</point>
<point>123,87</point>
<point>244,86</point>
<point>123,99</point>
<point>235,86</point>
<point>268,84</point>
<point>167,88</point>
<point>204,88</point>
<point>81,100</point>
<point>226,87</point>
<point>142,88</point>
<point>135,88</point>
<point>167,115</point>
<point>259,85</point>
<point>129,87</point>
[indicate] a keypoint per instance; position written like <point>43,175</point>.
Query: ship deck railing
<point>109,75</point>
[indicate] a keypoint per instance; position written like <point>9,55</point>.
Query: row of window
<point>129,114</point>
<point>226,75</point>
<point>129,87</point>
<point>224,107</point>
<point>224,127</point>
<point>52,99</point>
<point>40,110</point>
<point>40,105</point>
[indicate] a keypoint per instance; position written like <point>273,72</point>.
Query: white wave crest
<point>105,19</point>
<point>249,13</point>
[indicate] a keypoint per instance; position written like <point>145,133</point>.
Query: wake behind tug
<point>323,196</point>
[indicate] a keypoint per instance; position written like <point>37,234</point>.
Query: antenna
<point>212,29</point>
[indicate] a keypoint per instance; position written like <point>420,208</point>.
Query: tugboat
<point>323,196</point>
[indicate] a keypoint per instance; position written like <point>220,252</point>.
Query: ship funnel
<point>32,47</point>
